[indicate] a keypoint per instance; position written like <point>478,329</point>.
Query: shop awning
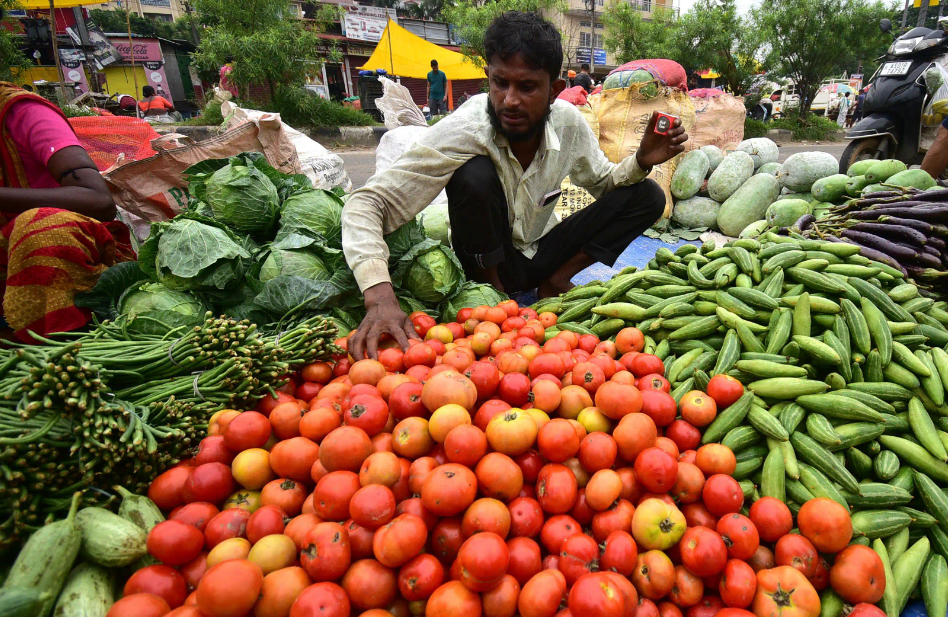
<point>404,54</point>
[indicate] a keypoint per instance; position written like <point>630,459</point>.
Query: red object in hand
<point>664,123</point>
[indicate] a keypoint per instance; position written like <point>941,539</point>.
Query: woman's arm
<point>83,190</point>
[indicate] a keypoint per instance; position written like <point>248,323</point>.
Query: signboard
<point>71,60</point>
<point>145,51</point>
<point>366,23</point>
<point>164,3</point>
<point>599,55</point>
<point>105,53</point>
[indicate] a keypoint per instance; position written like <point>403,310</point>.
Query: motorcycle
<point>891,125</point>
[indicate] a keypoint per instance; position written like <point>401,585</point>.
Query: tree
<point>570,30</point>
<point>712,35</point>
<point>471,18</point>
<point>262,45</point>
<point>811,40</point>
<point>12,59</point>
<point>114,21</point>
<point>425,9</point>
<point>632,37</point>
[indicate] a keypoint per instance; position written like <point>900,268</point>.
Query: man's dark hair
<point>148,91</point>
<point>434,64</point>
<point>528,34</point>
<point>583,67</point>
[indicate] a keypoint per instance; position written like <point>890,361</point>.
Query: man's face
<point>520,97</point>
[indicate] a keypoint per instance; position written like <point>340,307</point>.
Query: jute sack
<point>619,116</point>
<point>719,120</point>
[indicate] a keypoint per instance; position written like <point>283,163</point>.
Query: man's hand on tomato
<point>655,148</point>
<point>383,316</point>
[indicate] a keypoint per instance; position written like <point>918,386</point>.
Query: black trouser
<point>480,228</point>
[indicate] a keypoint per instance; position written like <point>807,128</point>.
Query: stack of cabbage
<point>258,244</point>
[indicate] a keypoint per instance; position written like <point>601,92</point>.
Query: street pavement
<point>360,164</point>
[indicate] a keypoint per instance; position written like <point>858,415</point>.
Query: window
<point>585,24</point>
<point>599,42</point>
<point>584,39</point>
<point>600,27</point>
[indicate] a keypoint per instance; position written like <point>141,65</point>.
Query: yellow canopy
<point>402,53</point>
<point>59,4</point>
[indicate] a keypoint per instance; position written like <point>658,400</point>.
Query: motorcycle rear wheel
<point>864,148</point>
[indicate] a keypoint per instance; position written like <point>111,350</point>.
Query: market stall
<point>725,426</point>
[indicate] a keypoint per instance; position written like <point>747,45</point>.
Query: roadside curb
<point>328,137</point>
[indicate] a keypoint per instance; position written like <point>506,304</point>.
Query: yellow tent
<point>402,53</point>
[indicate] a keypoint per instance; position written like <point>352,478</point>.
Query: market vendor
<point>57,216</point>
<point>500,156</point>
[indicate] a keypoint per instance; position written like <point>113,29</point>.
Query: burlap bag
<point>619,116</point>
<point>719,120</point>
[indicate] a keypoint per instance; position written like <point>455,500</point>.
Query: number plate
<point>895,68</point>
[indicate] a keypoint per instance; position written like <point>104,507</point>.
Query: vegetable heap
<point>256,244</point>
<point>845,359</point>
<point>114,406</point>
<point>906,229</point>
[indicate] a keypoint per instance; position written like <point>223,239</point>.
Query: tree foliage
<point>471,18</point>
<point>631,37</point>
<point>713,35</point>
<point>811,40</point>
<point>262,45</point>
<point>114,21</point>
<point>12,59</point>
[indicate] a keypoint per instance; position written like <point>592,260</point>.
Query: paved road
<point>360,164</point>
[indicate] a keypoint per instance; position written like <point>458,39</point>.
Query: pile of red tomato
<point>485,472</point>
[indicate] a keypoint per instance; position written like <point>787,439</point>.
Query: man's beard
<point>531,131</point>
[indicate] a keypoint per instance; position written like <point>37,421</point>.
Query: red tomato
<point>722,495</point>
<point>866,610</point>
<point>725,390</point>
<point>654,381</point>
<point>708,607</point>
<point>326,552</point>
<point>556,530</point>
<point>212,450</point>
<point>526,517</point>
<point>578,555</point>
<point>230,588</point>
<point>167,490</point>
<point>248,430</point>
<point>483,559</point>
<point>660,406</point>
<point>826,524</point>
<point>266,521</point>
<point>857,575</point>
<point>211,482</point>
<point>139,605</point>
<point>399,540</point>
<point>596,594</point>
<point>703,551</point>
<point>514,388</point>
<point>163,581</point>
<point>656,469</point>
<point>198,514</point>
<point>698,409</point>
<point>738,584</point>
<point>797,552</point>
<point>174,543</point>
<point>688,588</point>
<point>323,599</point>
<point>620,553</point>
<point>772,518</point>
<point>231,523</point>
<point>647,364</point>
<point>740,535</point>
<point>419,577</point>
<point>685,436</point>
<point>372,506</point>
<point>524,559</point>
<point>556,489</point>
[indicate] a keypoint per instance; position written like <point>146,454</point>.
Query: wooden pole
<point>450,94</point>
<point>59,65</point>
<point>391,60</point>
<point>131,56</point>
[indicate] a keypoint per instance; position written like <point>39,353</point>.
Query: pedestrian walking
<point>844,104</point>
<point>437,88</point>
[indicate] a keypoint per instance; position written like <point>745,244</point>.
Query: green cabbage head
<point>293,262</point>
<point>316,210</point>
<point>242,197</point>
<point>430,272</point>
<point>152,308</point>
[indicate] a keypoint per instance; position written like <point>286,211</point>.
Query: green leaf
<point>286,293</point>
<point>187,247</point>
<point>104,296</point>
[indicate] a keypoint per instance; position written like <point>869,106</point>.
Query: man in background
<point>437,87</point>
<point>583,79</point>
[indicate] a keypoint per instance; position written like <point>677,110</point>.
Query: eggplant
<point>893,249</point>
<point>939,195</point>
<point>937,214</point>
<point>877,255</point>
<point>805,222</point>
<point>898,233</point>
<point>926,273</point>
<point>926,228</point>
<point>938,243</point>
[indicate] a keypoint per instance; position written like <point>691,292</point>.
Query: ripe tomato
<point>654,575</point>
<point>541,595</point>
<point>524,559</point>
<point>688,589</point>
<point>688,484</point>
<point>685,436</point>
<point>502,599</point>
<point>785,591</point>
<point>372,506</point>
<point>419,577</point>
<point>597,451</point>
<point>248,430</point>
<point>556,530</point>
<point>708,607</point>
<point>857,575</point>
<point>175,543</point>
<point>738,584</point>
<point>514,389</point>
<point>326,552</point>
<point>578,555</point>
<point>797,552</point>
<point>212,450</point>
<point>715,458</point>
<point>324,599</point>
<point>485,377</point>
<point>596,594</point>
<point>740,535</point>
<point>866,610</point>
<point>826,524</point>
<point>280,590</point>
<point>446,539</point>
<point>162,581</point>
<point>228,524</point>
<point>526,517</point>
<point>722,495</point>
<point>453,599</point>
<point>139,605</point>
<point>499,477</point>
<point>698,409</point>
<point>703,551</point>
<point>399,540</point>
<point>230,588</point>
<point>634,433</point>
<point>405,401</point>
<point>486,515</point>
<point>211,482</point>
<point>616,400</point>
<point>369,584</point>
<point>763,559</point>
<point>265,521</point>
<point>370,413</point>
<point>772,518</point>
<point>556,488</point>
<point>724,390</point>
<point>512,432</point>
<point>602,490</point>
<point>660,406</point>
<point>345,449</point>
<point>331,498</point>
<point>167,490</point>
<point>616,518</point>
<point>620,553</point>
<point>293,458</point>
<point>656,470</point>
<point>697,515</point>
<point>657,525</point>
<point>588,376</point>
<point>647,364</point>
<point>483,559</point>
<point>449,489</point>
